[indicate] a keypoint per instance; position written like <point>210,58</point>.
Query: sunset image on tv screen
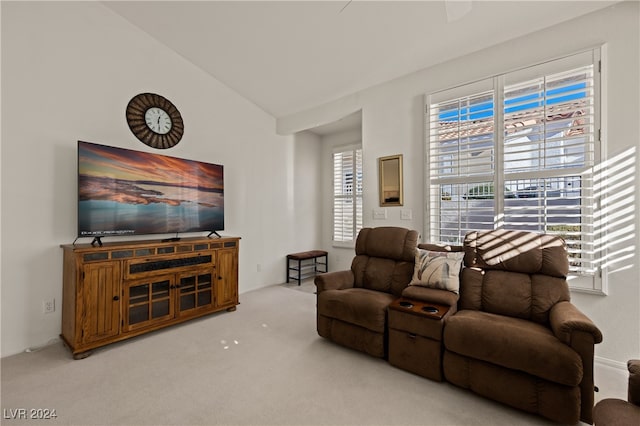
<point>122,192</point>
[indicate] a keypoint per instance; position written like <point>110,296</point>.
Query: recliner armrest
<point>566,319</point>
<point>634,381</point>
<point>334,280</point>
<point>576,330</point>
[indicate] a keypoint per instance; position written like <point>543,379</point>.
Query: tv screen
<point>126,192</point>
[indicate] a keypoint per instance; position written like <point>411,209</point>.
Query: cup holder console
<point>423,308</point>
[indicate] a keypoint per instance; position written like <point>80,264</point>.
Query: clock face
<point>154,120</point>
<point>158,120</point>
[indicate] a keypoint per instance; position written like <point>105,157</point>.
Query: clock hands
<point>158,120</point>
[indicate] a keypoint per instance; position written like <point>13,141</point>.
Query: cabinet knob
<point>116,298</point>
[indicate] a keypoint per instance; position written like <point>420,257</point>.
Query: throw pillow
<point>437,269</point>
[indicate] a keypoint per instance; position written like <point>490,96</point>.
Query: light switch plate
<point>405,214</point>
<point>379,213</point>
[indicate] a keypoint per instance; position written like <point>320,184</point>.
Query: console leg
<point>82,355</point>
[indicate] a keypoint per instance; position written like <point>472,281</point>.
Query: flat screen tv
<point>125,192</point>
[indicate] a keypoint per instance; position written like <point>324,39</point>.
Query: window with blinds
<point>463,136</point>
<point>517,151</point>
<point>347,194</point>
<point>548,122</point>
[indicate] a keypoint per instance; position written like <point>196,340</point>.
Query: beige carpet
<point>263,364</point>
<point>306,286</point>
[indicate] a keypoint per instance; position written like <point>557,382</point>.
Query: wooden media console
<point>120,290</point>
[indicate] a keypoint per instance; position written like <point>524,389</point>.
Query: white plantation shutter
<point>549,122</point>
<point>461,162</point>
<point>452,215</point>
<point>359,204</point>
<point>347,194</point>
<point>462,131</point>
<point>519,155</point>
<point>549,153</point>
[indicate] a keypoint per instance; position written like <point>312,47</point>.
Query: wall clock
<point>154,120</point>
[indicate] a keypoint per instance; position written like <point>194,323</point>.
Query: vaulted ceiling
<point>289,56</point>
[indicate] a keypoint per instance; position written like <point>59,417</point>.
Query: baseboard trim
<point>610,363</point>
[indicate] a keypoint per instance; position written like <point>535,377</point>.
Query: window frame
<point>594,282</point>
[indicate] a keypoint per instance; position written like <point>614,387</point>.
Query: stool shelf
<point>306,264</point>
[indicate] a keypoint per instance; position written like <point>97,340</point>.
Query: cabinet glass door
<point>196,291</point>
<point>148,302</point>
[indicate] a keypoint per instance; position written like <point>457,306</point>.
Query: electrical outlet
<point>48,306</point>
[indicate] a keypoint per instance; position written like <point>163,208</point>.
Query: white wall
<point>68,71</point>
<point>307,186</point>
<point>393,124</point>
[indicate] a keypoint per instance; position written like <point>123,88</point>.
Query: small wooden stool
<point>308,269</point>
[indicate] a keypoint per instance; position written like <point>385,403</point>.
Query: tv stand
<point>97,240</point>
<point>124,289</point>
<point>214,232</point>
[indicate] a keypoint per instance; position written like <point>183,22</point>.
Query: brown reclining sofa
<point>512,336</point>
